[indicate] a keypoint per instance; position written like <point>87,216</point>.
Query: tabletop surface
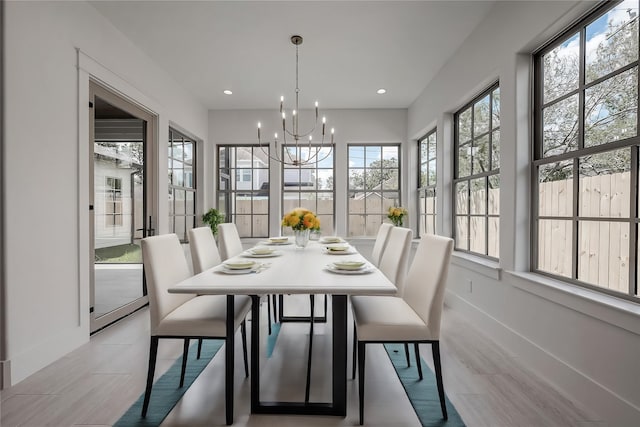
<point>296,271</point>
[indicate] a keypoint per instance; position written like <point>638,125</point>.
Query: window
<point>477,175</point>
<point>245,199</point>
<point>310,186</point>
<point>374,186</point>
<point>585,162</point>
<point>427,184</point>
<point>112,202</point>
<point>182,189</point>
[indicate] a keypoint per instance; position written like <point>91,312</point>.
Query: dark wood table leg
<point>229,361</point>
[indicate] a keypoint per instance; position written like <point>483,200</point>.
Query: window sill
<point>615,311</point>
<point>477,264</point>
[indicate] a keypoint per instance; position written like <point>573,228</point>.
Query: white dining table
<point>294,271</point>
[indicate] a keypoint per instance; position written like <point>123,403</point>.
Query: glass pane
<point>431,202</point>
<point>611,109</point>
<point>480,155</point>
<point>432,146</point>
<point>495,108</point>
<point>356,225</point>
<point>356,157</point>
<point>464,126</point>
<point>494,195</point>
<point>424,171</point>
<point>612,40</point>
<point>554,246</point>
<point>561,68</point>
<point>477,235</point>
<point>188,153</point>
<point>373,203</point>
<point>422,206</point>
<point>462,232</point>
<point>605,184</point>
<point>462,196</point>
<point>308,201</point>
<point>560,127</point>
<point>464,160</point>
<point>494,237</point>
<point>325,158</point>
<point>389,200</point>
<point>392,154</point>
<point>603,249</point>
<point>495,150</point>
<point>432,172</point>
<point>179,202</point>
<point>372,156</point>
<point>260,226</point>
<point>325,204</point>
<point>260,205</point>
<point>356,203</point>
<point>171,197</point>
<point>390,181</point>
<point>243,224</point>
<point>477,197</point>
<point>555,189</point>
<point>481,117</point>
<point>326,225</point>
<point>356,179</point>
<point>373,224</point>
<point>190,203</point>
<point>180,227</point>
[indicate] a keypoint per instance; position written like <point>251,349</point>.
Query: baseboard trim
<point>574,384</point>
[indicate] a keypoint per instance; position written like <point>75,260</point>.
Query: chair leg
<point>243,331</point>
<point>406,354</point>
<point>269,313</point>
<point>310,355</point>
<point>275,309</point>
<point>361,357</point>
<point>185,353</point>
<point>435,349</point>
<point>199,347</point>
<point>418,361</point>
<point>355,348</point>
<point>153,353</point>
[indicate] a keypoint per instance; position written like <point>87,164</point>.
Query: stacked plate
<point>339,249</point>
<point>350,267</point>
<point>282,240</point>
<point>262,252</point>
<point>239,267</point>
<point>331,239</point>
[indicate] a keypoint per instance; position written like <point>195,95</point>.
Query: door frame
<point>150,194</point>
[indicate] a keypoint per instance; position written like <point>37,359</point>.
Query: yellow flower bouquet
<point>301,219</point>
<point>396,213</point>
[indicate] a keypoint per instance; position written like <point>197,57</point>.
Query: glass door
<point>120,209</point>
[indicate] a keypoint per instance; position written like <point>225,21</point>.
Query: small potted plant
<point>212,218</point>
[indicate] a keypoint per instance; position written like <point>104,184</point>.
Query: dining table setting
<point>279,266</point>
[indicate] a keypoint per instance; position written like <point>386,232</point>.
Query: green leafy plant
<point>213,217</point>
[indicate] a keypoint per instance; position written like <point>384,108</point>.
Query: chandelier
<point>306,150</point>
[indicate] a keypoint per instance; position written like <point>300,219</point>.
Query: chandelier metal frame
<point>313,149</point>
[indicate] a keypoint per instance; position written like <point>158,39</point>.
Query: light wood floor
<point>95,384</point>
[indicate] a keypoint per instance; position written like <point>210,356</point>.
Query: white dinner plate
<point>231,271</point>
<point>267,242</point>
<point>348,251</point>
<point>349,265</point>
<point>250,254</point>
<point>329,239</point>
<point>367,269</point>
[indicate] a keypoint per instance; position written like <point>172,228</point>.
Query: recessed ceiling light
<point>227,92</point>
<point>381,91</point>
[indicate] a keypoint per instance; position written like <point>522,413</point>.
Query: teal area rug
<point>271,339</point>
<point>165,392</point>
<point>422,394</point>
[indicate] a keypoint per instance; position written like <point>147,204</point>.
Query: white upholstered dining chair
<point>178,316</point>
<point>205,255</point>
<point>414,317</point>
<point>380,243</point>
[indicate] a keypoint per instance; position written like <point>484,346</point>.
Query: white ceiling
<point>350,48</point>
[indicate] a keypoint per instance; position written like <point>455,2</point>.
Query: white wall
<point>585,344</point>
<point>46,233</point>
<point>351,126</point>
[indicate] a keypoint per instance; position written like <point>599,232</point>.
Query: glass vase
<point>302,238</point>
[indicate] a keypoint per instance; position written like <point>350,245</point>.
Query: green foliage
<point>213,217</point>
